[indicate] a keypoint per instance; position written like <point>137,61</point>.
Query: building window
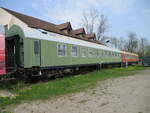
<point>36,47</point>
<point>61,48</point>
<point>83,52</point>
<point>74,51</point>
<point>6,28</point>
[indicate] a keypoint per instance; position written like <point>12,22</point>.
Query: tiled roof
<point>34,22</point>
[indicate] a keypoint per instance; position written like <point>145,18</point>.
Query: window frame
<point>81,51</point>
<point>61,44</point>
<point>90,50</point>
<point>99,53</point>
<point>36,47</point>
<point>73,51</point>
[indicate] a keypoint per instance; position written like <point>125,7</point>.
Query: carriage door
<point>37,53</point>
<point>12,53</point>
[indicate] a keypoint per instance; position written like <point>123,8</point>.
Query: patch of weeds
<point>83,101</point>
<point>13,86</point>
<point>105,103</point>
<point>93,92</point>
<point>6,112</point>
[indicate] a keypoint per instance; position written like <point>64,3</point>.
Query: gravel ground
<point>122,95</point>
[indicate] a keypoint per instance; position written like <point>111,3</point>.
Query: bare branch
<point>132,42</point>
<point>89,20</point>
<point>102,27</point>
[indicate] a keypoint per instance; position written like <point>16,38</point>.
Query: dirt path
<point>122,95</point>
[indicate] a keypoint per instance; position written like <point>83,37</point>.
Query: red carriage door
<point>2,52</point>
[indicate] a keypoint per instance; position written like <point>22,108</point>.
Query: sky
<point>123,15</point>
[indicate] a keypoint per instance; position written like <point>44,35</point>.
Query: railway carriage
<point>129,58</point>
<point>39,48</point>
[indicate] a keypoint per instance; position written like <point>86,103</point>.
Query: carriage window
<point>36,47</point>
<point>106,53</point>
<point>83,52</point>
<point>97,54</point>
<point>74,51</point>
<point>102,53</point>
<point>116,54</point>
<point>109,53</point>
<point>112,53</point>
<point>94,53</point>
<point>90,52</point>
<point>61,48</point>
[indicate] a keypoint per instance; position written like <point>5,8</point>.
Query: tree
<point>89,20</point>
<point>114,42</point>
<point>117,42</point>
<point>143,42</point>
<point>147,50</point>
<point>132,42</point>
<point>92,20</point>
<point>102,27</point>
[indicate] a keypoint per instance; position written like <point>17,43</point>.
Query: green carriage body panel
<point>30,59</point>
<point>48,55</point>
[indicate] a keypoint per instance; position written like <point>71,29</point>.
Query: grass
<point>58,87</point>
<point>6,112</point>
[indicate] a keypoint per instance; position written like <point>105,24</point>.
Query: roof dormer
<point>65,27</point>
<point>91,36</point>
<point>79,32</point>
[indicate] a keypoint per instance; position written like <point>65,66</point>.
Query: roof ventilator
<point>42,31</point>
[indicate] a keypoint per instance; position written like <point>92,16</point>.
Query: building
<point>9,18</point>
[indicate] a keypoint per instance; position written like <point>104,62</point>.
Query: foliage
<point>147,51</point>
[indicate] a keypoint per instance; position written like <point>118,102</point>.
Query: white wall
<point>7,18</point>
